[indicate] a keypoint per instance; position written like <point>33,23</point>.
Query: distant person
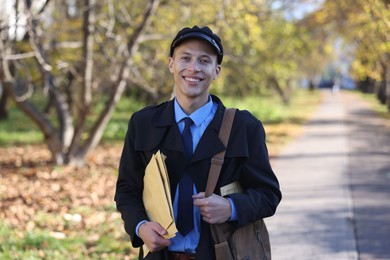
<point>195,61</point>
<point>336,86</point>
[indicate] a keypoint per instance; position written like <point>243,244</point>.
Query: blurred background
<point>72,73</point>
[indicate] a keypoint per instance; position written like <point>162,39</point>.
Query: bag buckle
<point>217,160</point>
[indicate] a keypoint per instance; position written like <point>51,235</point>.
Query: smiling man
<point>186,130</point>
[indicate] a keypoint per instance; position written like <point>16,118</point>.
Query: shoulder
<point>247,135</point>
<point>247,126</point>
<point>158,114</point>
<point>148,125</point>
<point>149,112</point>
<point>246,118</point>
<point>245,115</point>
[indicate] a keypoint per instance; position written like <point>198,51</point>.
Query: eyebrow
<point>202,56</point>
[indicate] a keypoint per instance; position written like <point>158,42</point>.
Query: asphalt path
<point>335,179</point>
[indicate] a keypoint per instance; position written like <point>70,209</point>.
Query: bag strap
<point>217,159</point>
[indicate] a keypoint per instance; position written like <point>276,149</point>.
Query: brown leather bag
<point>250,242</point>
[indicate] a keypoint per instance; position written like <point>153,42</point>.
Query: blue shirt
<point>201,118</point>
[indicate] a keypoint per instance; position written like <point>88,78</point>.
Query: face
<point>194,66</point>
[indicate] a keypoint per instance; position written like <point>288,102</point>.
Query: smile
<point>192,79</point>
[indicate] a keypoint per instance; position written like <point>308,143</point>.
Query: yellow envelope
<point>157,194</point>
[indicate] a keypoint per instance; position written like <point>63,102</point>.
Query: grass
<point>37,244</point>
<point>281,121</point>
<point>42,243</point>
<point>19,129</point>
<point>379,108</point>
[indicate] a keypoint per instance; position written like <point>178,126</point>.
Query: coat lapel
<point>165,118</point>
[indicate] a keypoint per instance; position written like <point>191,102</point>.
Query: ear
<point>217,71</point>
<point>170,64</point>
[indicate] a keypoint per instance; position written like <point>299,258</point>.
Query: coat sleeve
<point>261,192</point>
<point>129,187</point>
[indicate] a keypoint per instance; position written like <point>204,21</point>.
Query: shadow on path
<point>335,179</point>
<point>369,171</point>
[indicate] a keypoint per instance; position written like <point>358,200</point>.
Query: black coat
<point>246,160</point>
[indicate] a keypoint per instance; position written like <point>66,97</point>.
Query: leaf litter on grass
<point>65,202</point>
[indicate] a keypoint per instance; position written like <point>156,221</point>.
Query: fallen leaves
<point>30,186</point>
<point>41,202</point>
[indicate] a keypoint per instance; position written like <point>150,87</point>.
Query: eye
<point>185,58</point>
<point>205,61</point>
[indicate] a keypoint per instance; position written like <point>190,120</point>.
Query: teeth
<point>192,79</point>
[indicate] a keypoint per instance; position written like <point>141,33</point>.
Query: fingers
<point>160,230</point>
<point>213,209</point>
<point>152,234</point>
<point>200,195</point>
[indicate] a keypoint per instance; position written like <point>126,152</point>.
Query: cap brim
<point>197,35</point>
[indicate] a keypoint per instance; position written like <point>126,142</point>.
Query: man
<point>195,61</point>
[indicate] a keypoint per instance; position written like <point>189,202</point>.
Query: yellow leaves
<point>384,47</point>
<point>328,49</point>
<point>358,68</point>
<point>251,20</point>
<point>361,71</point>
<point>321,17</point>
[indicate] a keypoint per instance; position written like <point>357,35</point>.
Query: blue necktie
<point>185,214</point>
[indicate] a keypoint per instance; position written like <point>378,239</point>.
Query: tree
<point>66,69</point>
<point>264,49</point>
<point>74,56</point>
<point>364,25</point>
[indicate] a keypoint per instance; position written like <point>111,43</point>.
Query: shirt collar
<point>197,116</point>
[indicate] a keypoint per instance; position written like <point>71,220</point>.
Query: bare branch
<point>27,107</point>
<point>19,56</point>
<point>132,47</point>
<point>134,40</point>
<point>127,16</point>
<point>26,95</point>
<point>153,37</point>
<point>69,45</point>
<point>31,28</point>
<point>5,74</point>
<point>140,81</point>
<point>88,43</point>
<point>44,6</point>
<point>62,108</point>
<point>111,21</point>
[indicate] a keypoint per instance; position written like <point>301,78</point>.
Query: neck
<point>191,105</point>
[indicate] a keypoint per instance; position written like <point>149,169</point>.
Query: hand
<point>214,209</point>
<point>152,234</point>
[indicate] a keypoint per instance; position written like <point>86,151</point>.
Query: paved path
<point>335,179</point>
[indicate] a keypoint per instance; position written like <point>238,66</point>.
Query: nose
<point>195,65</point>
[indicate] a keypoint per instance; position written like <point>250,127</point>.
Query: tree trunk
<point>311,85</point>
<point>282,93</point>
<point>387,86</point>
<point>4,103</point>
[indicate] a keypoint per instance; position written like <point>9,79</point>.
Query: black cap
<point>204,33</point>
